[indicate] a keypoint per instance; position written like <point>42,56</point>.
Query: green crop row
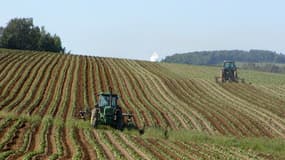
<point>29,97</point>
<point>46,123</point>
<point>161,95</point>
<point>93,142</point>
<point>9,93</point>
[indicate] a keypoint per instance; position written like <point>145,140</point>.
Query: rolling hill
<point>41,95</point>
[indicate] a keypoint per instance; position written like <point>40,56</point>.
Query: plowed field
<point>41,95</point>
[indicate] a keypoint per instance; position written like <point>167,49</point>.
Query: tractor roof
<point>107,94</point>
<point>229,61</point>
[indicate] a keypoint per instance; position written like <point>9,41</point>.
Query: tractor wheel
<point>222,76</point>
<point>94,117</point>
<point>119,119</point>
<point>120,124</point>
<point>235,76</point>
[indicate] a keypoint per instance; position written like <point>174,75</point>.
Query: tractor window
<point>105,101</point>
<point>114,101</point>
<point>229,65</point>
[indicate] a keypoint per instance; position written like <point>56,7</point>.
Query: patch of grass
<point>154,132</point>
<point>275,147</point>
<point>28,118</point>
<point>78,123</point>
<point>134,132</point>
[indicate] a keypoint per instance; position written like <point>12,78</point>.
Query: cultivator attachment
<point>128,119</point>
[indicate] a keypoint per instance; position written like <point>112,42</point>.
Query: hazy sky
<point>136,29</point>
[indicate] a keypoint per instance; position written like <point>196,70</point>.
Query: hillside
<point>41,95</point>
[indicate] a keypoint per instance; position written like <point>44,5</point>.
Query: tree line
<point>250,59</point>
<point>217,57</point>
<point>20,33</point>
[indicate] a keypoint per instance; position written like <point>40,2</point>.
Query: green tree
<point>50,43</point>
<point>1,32</point>
<point>20,33</point>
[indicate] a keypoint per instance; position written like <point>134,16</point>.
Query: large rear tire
<point>119,119</point>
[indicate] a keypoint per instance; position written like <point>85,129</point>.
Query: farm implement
<point>229,73</point>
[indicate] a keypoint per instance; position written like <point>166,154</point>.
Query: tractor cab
<point>229,65</point>
<point>107,111</point>
<point>107,99</point>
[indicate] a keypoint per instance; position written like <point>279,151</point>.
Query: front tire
<point>94,117</point>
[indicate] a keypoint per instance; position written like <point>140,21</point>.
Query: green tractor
<point>108,112</point>
<point>229,73</point>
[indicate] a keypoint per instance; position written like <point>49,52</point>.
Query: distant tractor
<point>229,73</point>
<point>108,112</point>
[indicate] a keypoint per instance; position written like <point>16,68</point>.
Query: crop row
<point>155,106</point>
<point>56,87</point>
<point>200,95</point>
<point>154,98</point>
